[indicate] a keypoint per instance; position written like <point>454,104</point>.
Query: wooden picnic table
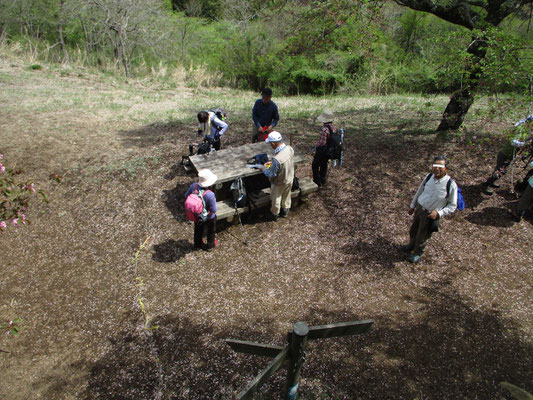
<point>230,164</point>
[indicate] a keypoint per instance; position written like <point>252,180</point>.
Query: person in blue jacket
<point>206,179</point>
<point>265,116</point>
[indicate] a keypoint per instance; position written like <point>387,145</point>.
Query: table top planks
<point>229,164</point>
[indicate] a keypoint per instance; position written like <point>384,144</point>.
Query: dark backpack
<point>219,112</point>
<point>238,192</point>
<point>460,199</point>
<point>334,144</point>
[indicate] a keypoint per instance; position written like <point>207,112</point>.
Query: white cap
<point>274,136</point>
<point>326,116</point>
<point>206,178</point>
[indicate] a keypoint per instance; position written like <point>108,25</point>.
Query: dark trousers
<point>419,232</point>
<point>320,167</point>
<point>200,227</point>
<point>502,162</point>
<point>526,200</point>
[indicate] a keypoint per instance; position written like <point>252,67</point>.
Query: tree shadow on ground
<point>448,349</point>
<point>153,134</point>
<point>472,195</point>
<point>174,200</point>
<point>491,216</point>
<point>178,360</point>
<point>377,249</point>
<point>172,250</point>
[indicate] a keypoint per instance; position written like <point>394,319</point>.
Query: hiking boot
<point>271,217</point>
<point>284,213</point>
<point>495,185</point>
<point>407,248</point>
<point>206,247</point>
<point>517,216</point>
<point>414,258</point>
<point>487,190</point>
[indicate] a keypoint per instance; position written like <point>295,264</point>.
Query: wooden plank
<point>342,329</point>
<point>226,208</point>
<point>258,349</point>
<point>274,365</point>
<point>228,164</point>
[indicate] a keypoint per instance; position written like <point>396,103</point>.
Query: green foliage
<point>15,196</point>
<point>12,327</point>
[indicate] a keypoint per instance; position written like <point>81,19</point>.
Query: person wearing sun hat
<point>320,161</point>
<point>206,179</point>
<point>281,174</point>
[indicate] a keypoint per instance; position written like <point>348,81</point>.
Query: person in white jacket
<point>211,127</point>
<point>434,199</point>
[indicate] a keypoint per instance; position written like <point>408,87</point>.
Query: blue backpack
<point>460,199</point>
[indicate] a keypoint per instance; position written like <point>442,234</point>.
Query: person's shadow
<point>172,250</point>
<point>491,216</point>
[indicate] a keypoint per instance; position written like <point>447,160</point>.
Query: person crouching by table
<point>211,127</point>
<point>206,179</point>
<point>281,174</point>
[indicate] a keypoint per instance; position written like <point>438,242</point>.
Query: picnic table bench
<point>230,164</point>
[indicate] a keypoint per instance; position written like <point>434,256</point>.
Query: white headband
<point>438,166</point>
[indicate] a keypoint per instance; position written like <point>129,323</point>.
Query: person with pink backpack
<point>201,207</point>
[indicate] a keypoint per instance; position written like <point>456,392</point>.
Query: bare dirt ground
<point>106,317</point>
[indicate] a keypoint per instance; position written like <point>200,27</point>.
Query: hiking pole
<point>242,226</point>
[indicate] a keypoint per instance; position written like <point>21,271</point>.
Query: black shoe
<point>487,190</point>
<point>407,248</point>
<point>495,185</point>
<point>271,217</point>
<point>517,217</point>
<point>284,213</point>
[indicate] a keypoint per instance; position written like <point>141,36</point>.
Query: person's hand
<point>269,129</point>
<point>411,211</point>
<point>433,214</point>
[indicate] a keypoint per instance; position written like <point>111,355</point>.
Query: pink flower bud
<point>32,188</point>
<point>3,225</point>
<point>14,221</point>
<point>2,168</point>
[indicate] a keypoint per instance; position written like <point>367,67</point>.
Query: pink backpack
<point>195,205</point>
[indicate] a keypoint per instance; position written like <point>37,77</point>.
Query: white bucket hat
<point>326,116</point>
<point>206,178</point>
<point>274,136</point>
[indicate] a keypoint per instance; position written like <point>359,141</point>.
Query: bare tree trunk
<point>60,29</point>
<point>462,99</point>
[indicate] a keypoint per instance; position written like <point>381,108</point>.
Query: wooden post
<point>297,342</point>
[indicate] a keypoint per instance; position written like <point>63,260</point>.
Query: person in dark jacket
<point>206,179</point>
<point>265,116</point>
<point>320,161</point>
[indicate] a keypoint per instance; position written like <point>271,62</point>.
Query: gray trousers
<point>419,232</point>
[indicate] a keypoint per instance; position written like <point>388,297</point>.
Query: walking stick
<point>242,226</point>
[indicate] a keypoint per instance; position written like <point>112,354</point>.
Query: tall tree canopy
<point>478,16</point>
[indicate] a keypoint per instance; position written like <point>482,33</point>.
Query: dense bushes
<point>301,48</point>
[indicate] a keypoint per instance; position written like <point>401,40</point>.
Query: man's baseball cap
<point>274,136</point>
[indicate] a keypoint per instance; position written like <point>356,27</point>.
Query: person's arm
<point>275,116</point>
<point>323,139</point>
<point>451,205</point>
<point>255,117</point>
<point>210,203</point>
<point>221,125</point>
<point>417,194</point>
<point>272,172</point>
